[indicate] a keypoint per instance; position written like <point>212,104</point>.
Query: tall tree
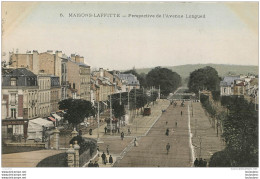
<point>77,110</point>
<point>119,110</point>
<point>204,78</point>
<point>240,134</point>
<point>167,79</point>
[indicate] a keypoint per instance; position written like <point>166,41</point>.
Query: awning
<point>56,116</point>
<point>52,119</point>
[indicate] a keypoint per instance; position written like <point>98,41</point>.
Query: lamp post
<point>200,140</point>
<point>98,121</point>
<point>110,115</point>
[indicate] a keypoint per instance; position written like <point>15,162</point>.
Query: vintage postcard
<point>130,84</point>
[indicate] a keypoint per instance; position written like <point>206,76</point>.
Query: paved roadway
<point>151,149</point>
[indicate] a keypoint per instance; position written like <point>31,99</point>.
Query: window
<point>13,101</point>
<point>13,113</point>
<point>18,129</point>
<point>13,81</point>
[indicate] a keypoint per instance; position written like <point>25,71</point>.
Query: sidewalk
<point>139,127</point>
<point>204,139</point>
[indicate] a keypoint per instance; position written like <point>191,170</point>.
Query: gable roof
<point>130,78</point>
<point>228,80</point>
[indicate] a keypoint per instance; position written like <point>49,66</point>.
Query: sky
<point>227,33</point>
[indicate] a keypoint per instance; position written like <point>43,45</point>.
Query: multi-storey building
<point>49,94</point>
<point>55,93</point>
<point>226,86</point>
<point>131,81</point>
<point>64,78</point>
<point>84,73</point>
<point>75,78</point>
<point>44,96</point>
<point>20,100</point>
<point>46,62</point>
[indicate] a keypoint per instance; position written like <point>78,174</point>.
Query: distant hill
<point>223,70</point>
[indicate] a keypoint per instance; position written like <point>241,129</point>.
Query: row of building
<point>239,85</point>
<point>34,83</point>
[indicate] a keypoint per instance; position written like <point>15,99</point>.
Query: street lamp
<point>110,115</point>
<point>200,140</point>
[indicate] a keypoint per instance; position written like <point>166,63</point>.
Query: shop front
<point>14,129</point>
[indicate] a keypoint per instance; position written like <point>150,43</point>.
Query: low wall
<point>38,145</point>
<point>85,156</point>
<point>59,160</point>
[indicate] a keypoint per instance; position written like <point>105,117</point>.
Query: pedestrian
<point>96,164</point>
<point>135,143</point>
<point>200,163</point>
<point>168,148</point>
<point>129,131</point>
<point>118,130</point>
<point>205,163</point>
<point>107,149</point>
<point>90,131</point>
<point>110,159</point>
<point>196,162</point>
<point>105,130</point>
<point>176,124</point>
<point>103,156</point>
<point>166,122</point>
<point>122,135</point>
<point>167,132</point>
<point>90,164</point>
<point>98,150</point>
<point>181,113</point>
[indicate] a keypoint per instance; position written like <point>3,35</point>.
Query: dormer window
<point>13,81</point>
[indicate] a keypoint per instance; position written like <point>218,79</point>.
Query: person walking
<point>167,132</point>
<point>105,130</point>
<point>96,164</point>
<point>181,113</point>
<point>168,148</point>
<point>129,131</point>
<point>90,164</point>
<point>200,163</point>
<point>135,143</point>
<point>166,122</point>
<point>196,162</point>
<point>111,160</point>
<point>205,163</point>
<point>103,156</point>
<point>107,149</point>
<point>105,160</point>
<point>122,135</point>
<point>176,124</point>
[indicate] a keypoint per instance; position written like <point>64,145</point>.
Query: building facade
<point>20,101</point>
<point>44,95</point>
<point>55,93</point>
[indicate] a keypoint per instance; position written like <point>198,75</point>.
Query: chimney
<point>101,72</point>
<point>35,67</point>
<point>50,51</point>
